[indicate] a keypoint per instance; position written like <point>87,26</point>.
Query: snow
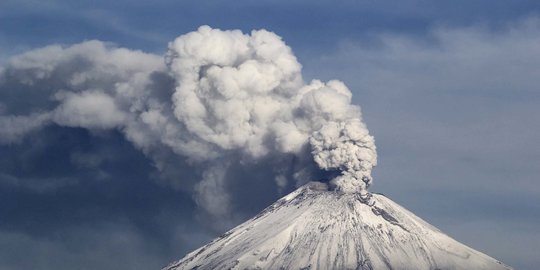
<point>317,228</point>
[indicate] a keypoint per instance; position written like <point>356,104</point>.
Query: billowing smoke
<point>218,99</point>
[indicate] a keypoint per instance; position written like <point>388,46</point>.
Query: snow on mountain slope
<point>315,228</point>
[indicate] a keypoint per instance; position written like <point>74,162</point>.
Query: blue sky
<point>448,89</point>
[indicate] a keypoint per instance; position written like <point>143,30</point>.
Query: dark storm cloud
<point>46,155</point>
<point>88,200</point>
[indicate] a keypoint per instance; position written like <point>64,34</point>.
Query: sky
<point>449,90</point>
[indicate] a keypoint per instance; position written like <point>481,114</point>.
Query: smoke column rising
<point>218,96</point>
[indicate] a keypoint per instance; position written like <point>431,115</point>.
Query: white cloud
<point>89,109</point>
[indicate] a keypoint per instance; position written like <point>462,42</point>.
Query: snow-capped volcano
<point>317,228</point>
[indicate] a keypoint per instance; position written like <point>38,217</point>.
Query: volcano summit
<point>316,227</point>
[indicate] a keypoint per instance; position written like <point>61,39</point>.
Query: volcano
<point>316,227</point>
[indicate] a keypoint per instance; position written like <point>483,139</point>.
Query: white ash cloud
<point>216,97</point>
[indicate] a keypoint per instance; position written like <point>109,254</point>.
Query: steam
<point>219,97</point>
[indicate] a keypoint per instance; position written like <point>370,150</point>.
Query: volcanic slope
<point>317,228</point>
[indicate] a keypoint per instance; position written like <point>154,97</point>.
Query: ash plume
<point>219,100</point>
